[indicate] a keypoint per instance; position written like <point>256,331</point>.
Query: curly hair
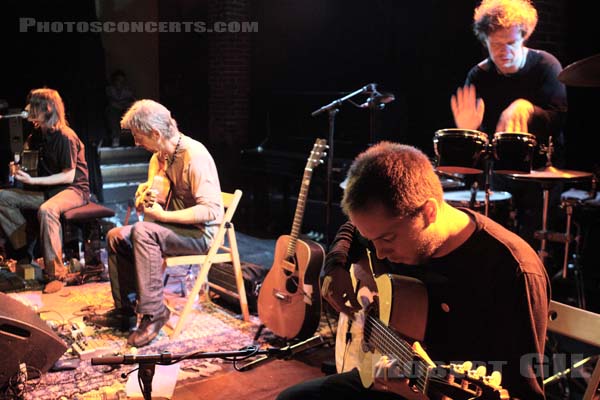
<point>492,15</point>
<point>398,176</point>
<point>148,115</point>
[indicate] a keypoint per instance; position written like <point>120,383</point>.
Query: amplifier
<point>222,281</point>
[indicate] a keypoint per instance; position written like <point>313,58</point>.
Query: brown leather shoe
<point>115,318</point>
<point>149,328</point>
<point>53,286</point>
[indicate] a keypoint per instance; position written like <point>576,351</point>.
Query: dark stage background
<point>236,91</point>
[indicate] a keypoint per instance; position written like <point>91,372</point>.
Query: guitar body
<point>161,185</point>
<point>289,301</point>
<point>393,314</point>
<point>402,304</point>
<point>29,161</point>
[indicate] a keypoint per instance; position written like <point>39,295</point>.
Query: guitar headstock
<point>317,154</point>
<point>474,381</point>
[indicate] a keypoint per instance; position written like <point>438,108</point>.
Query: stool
<point>82,225</point>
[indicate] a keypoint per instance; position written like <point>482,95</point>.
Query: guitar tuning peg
<point>481,371</point>
<point>496,378</point>
<point>466,366</point>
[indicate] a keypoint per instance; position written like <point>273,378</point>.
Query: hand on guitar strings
<point>145,197</point>
<point>338,290</point>
<point>140,195</point>
<point>23,177</point>
<point>154,211</point>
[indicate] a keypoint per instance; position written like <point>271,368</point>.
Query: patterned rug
<point>209,328</point>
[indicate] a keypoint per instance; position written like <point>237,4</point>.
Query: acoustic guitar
<point>26,161</point>
<point>289,300</point>
<point>372,339</point>
<point>161,185</point>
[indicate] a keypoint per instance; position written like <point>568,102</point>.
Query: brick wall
<point>550,34</point>
<point>228,75</point>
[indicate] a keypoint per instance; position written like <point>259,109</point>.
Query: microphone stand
<point>332,110</point>
<point>148,362</point>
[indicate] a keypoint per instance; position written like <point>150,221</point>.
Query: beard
<point>427,245</point>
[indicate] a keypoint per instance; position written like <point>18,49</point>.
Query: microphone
<point>22,114</point>
<point>378,100</point>
<point>257,149</point>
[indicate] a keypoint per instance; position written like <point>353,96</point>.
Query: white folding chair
<point>580,325</point>
<point>217,253</point>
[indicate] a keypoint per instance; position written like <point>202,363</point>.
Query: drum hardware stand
<point>543,234</point>
<point>567,238</point>
<point>488,178</point>
<point>548,150</point>
<point>473,199</point>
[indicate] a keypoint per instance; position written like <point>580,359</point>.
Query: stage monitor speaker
<point>25,338</point>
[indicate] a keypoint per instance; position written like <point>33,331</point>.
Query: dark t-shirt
<point>488,302</point>
<point>537,82</point>
<point>59,150</point>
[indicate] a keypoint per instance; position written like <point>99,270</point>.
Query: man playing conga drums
<point>515,89</point>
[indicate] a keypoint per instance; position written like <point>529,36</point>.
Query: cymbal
<point>552,173</point>
<point>584,73</point>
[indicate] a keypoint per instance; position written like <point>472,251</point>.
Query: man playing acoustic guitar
<point>187,225</point>
<point>486,292</point>
<point>59,184</point>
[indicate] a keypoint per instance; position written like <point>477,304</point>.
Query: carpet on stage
<point>210,328</point>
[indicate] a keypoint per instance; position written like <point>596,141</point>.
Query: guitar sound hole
<point>291,284</point>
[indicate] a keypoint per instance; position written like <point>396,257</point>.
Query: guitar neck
<point>314,160</point>
<point>299,214</point>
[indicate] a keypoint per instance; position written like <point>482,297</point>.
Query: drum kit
<point>463,152</point>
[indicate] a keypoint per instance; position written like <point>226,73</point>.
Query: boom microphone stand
<point>332,109</point>
<point>148,362</point>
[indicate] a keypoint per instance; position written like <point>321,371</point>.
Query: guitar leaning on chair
<point>289,301</point>
<point>372,339</point>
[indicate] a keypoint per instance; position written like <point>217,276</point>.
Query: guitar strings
<point>381,329</point>
<point>406,354</point>
<point>382,332</point>
<point>418,374</point>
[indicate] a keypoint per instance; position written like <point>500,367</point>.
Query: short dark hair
<point>397,176</point>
